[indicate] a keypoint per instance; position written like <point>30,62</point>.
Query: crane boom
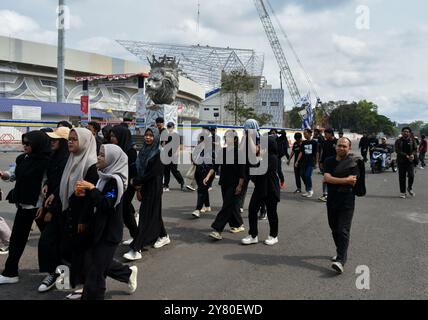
<point>278,51</point>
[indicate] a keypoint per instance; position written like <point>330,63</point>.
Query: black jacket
<point>107,222</point>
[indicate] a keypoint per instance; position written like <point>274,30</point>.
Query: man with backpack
<point>341,174</point>
<point>406,149</point>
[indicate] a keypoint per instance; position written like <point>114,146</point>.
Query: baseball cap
<point>60,133</point>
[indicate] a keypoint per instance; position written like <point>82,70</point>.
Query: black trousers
<point>364,154</point>
<point>406,170</point>
<point>203,194</point>
<point>272,213</point>
<point>422,159</point>
<point>18,240</point>
<point>229,212</point>
<point>299,177</point>
<point>280,173</point>
<point>167,175</point>
<point>243,194</point>
<point>129,211</point>
<point>49,246</point>
<point>340,221</point>
<point>100,264</point>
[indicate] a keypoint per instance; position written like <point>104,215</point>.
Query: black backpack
<point>360,187</point>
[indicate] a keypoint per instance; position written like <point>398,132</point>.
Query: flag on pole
<point>308,113</point>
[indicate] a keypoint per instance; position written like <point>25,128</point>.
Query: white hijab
<point>78,165</point>
<point>117,168</point>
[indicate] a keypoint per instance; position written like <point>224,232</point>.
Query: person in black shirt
<point>328,150</point>
<point>283,147</point>
<point>308,157</point>
<point>295,151</point>
<point>364,146</point>
<point>406,149</point>
<point>121,136</point>
<point>340,174</point>
<point>173,154</point>
<point>160,124</point>
<point>232,176</point>
<point>373,141</point>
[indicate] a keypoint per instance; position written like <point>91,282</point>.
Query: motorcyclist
<point>386,150</point>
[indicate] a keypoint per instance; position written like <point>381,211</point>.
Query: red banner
<point>84,104</point>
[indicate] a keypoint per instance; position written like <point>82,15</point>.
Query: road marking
<point>418,217</point>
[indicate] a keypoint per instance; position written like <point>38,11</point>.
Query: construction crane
<point>278,51</point>
<point>285,71</point>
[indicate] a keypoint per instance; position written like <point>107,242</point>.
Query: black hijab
<point>123,136</point>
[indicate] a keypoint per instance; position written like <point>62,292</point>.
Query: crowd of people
<point>79,188</point>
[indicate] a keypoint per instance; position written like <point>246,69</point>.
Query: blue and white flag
<point>308,117</point>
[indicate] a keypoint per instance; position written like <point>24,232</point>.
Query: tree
<point>236,84</point>
<point>416,126</point>
<point>424,129</point>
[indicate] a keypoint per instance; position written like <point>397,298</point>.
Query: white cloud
<point>19,26</point>
<point>349,46</point>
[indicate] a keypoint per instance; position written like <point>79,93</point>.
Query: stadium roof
<point>202,64</point>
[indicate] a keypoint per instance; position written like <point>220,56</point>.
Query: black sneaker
<point>298,191</point>
<point>48,283</point>
<point>263,216</point>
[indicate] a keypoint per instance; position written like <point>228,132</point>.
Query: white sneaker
<point>190,188</point>
<point>403,196</point>
<point>196,214</point>
<point>323,198</point>
<point>216,235</point>
<point>133,255</point>
<point>250,240</point>
<point>338,267</point>
<point>206,209</point>
<point>166,190</point>
<point>127,242</point>
<point>48,283</point>
<point>305,194</point>
<point>270,241</point>
<point>237,230</point>
<point>309,194</point>
<point>241,210</point>
<point>333,259</point>
<point>410,191</point>
<point>162,242</point>
<point>4,251</point>
<point>132,284</point>
<point>8,280</point>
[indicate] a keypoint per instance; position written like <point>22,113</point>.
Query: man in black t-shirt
<point>295,151</point>
<point>174,154</point>
<point>340,174</point>
<point>328,149</point>
<point>308,158</point>
<point>406,149</point>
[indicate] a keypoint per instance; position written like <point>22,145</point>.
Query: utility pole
<point>61,50</point>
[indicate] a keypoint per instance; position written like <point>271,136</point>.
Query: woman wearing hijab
<point>106,134</point>
<point>49,219</point>
<point>81,165</point>
<point>121,136</point>
<point>267,191</point>
<point>27,196</point>
<point>151,230</point>
<point>232,176</point>
<point>105,228</point>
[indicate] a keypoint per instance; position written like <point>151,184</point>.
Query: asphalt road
<point>389,236</point>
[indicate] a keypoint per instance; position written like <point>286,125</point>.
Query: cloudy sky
<point>377,53</point>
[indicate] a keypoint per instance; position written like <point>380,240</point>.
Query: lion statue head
<point>162,84</point>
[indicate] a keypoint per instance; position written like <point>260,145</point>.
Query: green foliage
<point>237,83</point>
<point>361,117</point>
<point>424,129</point>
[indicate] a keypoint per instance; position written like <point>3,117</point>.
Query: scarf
<point>148,152</point>
<point>78,165</point>
<point>117,168</point>
<point>123,136</point>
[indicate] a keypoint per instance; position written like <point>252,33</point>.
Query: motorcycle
<point>381,160</point>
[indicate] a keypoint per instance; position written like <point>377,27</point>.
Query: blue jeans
<point>308,177</point>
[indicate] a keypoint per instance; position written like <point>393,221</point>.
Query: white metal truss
<point>278,51</point>
<point>202,64</point>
